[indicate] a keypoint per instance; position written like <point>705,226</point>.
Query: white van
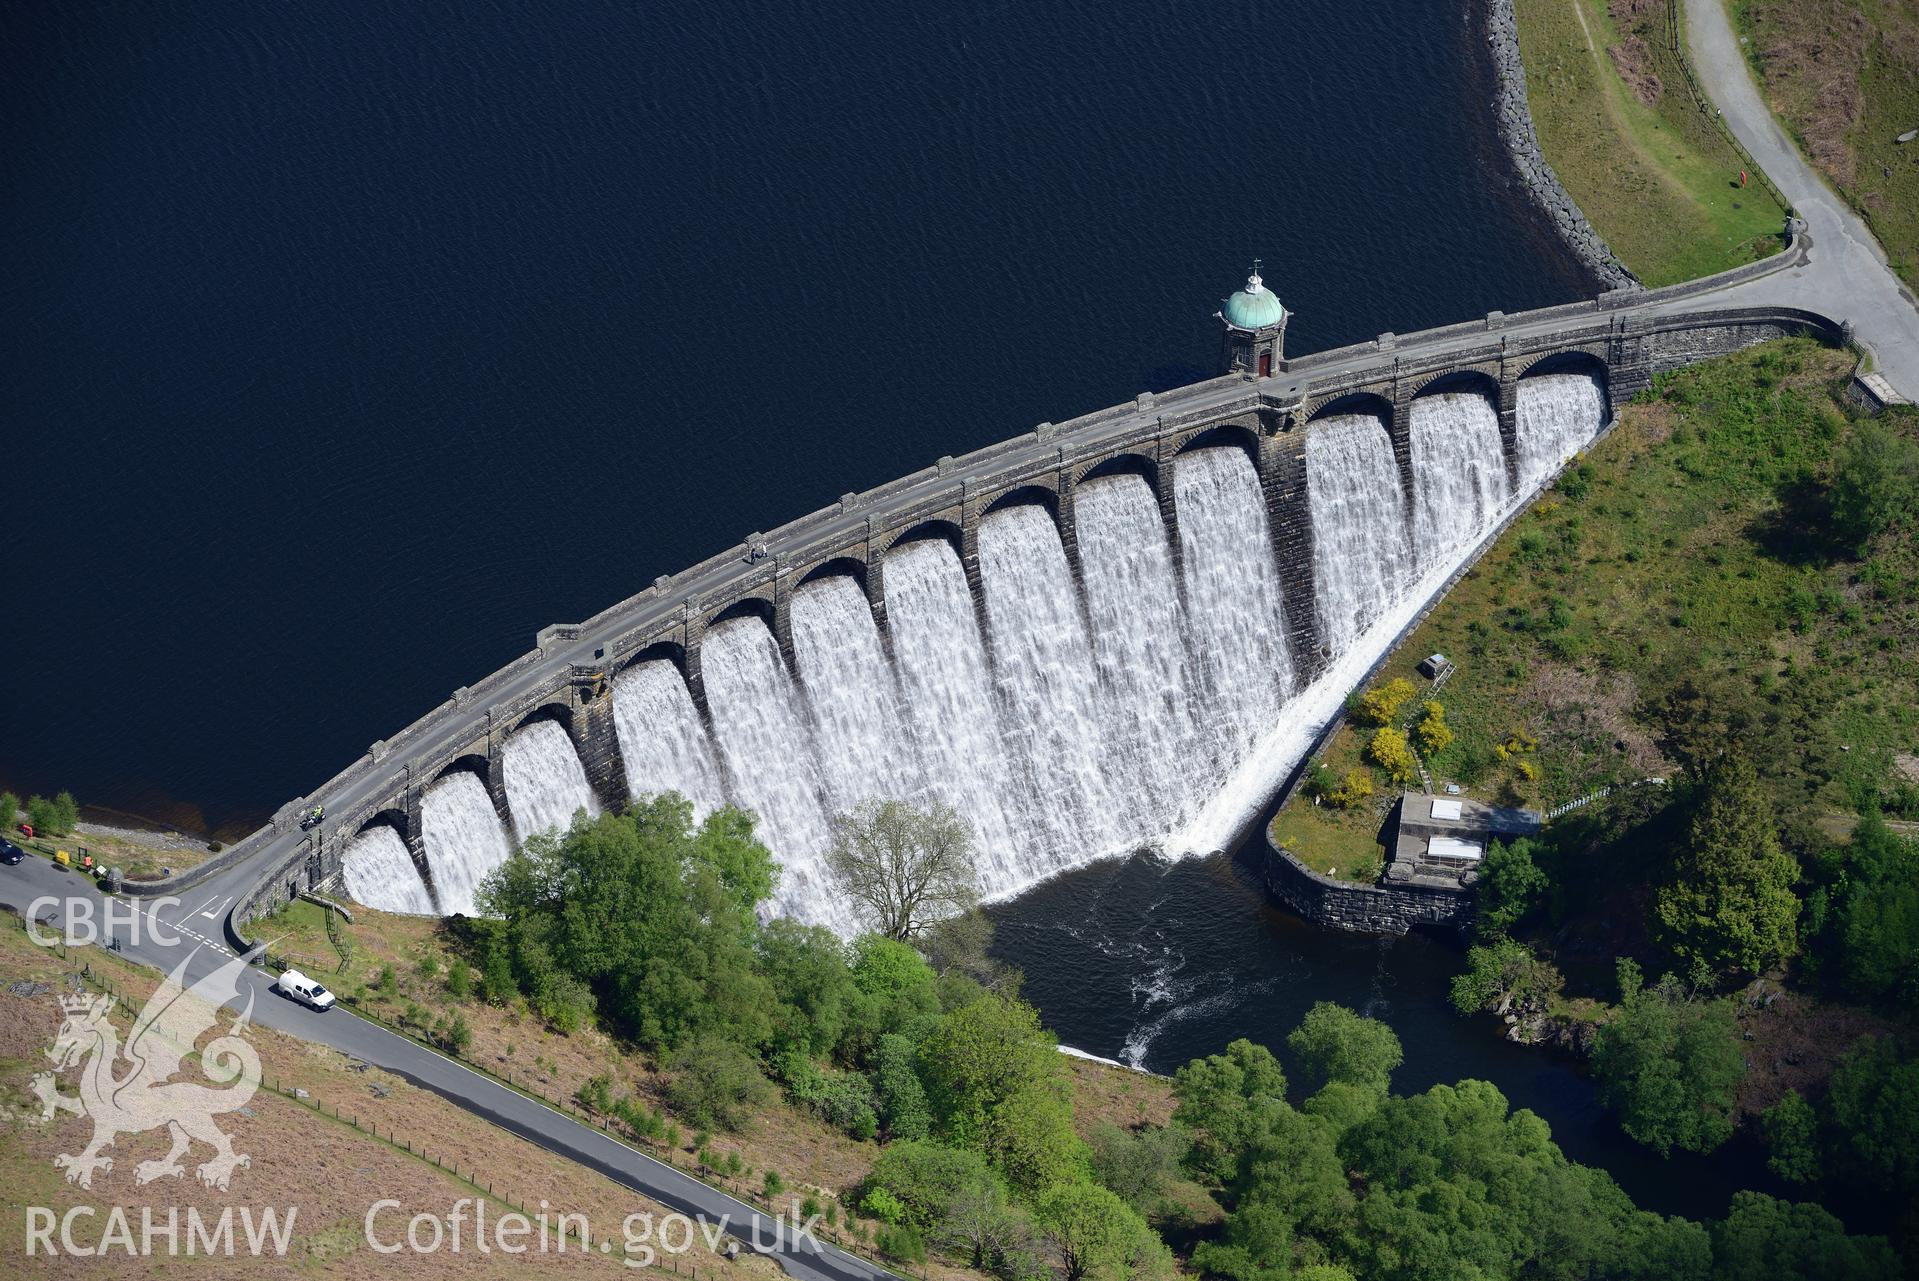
<point>306,991</point>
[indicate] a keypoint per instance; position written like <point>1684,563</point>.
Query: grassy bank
<point>1653,173</point>
<point>1689,547</point>
<point>1844,77</point>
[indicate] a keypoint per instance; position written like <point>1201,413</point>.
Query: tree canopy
<point>904,868</point>
<point>1730,904</point>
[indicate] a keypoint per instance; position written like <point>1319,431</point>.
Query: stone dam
<point>1116,632</point>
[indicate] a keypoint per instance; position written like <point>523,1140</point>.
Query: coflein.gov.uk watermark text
<point>469,1226</point>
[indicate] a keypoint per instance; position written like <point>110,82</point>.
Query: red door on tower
<point>1265,364</point>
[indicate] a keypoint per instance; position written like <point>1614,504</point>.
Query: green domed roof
<point>1254,307</point>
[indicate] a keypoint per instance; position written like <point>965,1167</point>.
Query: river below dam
<point>1154,962</point>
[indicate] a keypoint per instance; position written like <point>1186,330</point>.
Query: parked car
<point>10,853</point>
<point>308,992</point>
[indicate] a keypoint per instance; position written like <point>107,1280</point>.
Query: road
<point>189,932</point>
<point>1848,278</point>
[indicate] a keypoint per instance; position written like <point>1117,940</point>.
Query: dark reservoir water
<point>348,342</point>
<point>1155,963</point>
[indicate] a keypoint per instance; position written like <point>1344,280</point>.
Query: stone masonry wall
<point>1363,909</point>
<point>1522,141</point>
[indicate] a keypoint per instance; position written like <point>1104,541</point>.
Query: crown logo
<point>77,1004</point>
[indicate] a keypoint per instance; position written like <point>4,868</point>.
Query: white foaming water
<point>545,783</point>
<point>1558,416</point>
<point>1459,473</point>
<point>663,744</point>
<point>768,748</point>
<point>1048,692</point>
<point>946,695</point>
<point>380,873</point>
<point>463,837</point>
<point>1132,602</point>
<point>849,687</point>
<point>1247,790</point>
<point>1236,626</point>
<point>1361,560</point>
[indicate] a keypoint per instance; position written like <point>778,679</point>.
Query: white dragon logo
<point>142,1097</point>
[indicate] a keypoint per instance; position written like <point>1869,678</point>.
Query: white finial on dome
<point>1253,283</point>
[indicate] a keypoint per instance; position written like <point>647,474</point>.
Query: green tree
<point>927,1181</point>
<point>1030,1138</point>
<point>1792,1133</point>
<point>807,967</point>
<point>715,1082</point>
<point>40,816</point>
<point>981,1055</point>
<point>1764,1239</point>
<point>1730,904</point>
<point>1875,482</point>
<point>1875,920</point>
<point>1873,1104</point>
<point>65,813</point>
<point>1504,975</point>
<point>903,868</point>
<point>1669,1064</point>
<point>1098,1236</point>
<point>1223,1099</point>
<point>1332,1043</point>
<point>1138,1165</point>
<point>903,1108</point>
<point>654,915</point>
<point>1511,885</point>
<point>9,811</point>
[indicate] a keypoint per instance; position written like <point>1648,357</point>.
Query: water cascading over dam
<point>662,742</point>
<point>545,783</point>
<point>1553,412</point>
<point>380,873</point>
<point>1150,700</point>
<point>464,839</point>
<point>1361,560</point>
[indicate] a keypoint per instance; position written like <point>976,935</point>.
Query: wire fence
<point>1676,42</point>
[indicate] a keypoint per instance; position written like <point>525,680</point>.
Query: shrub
<point>9,810</point>
<point>716,1083</point>
<point>841,1099</point>
<point>1389,750</point>
<point>1433,732</point>
<point>1380,704</point>
<point>772,1185</point>
<point>1791,1133</point>
<point>596,1095</point>
<point>1355,790</point>
<point>459,980</point>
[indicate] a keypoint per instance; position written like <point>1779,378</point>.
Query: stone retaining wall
<point>1522,142</point>
<point>1364,909</point>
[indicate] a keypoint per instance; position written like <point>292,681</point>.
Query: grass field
<point>1689,545</point>
<point>1844,77</point>
<point>1651,171</point>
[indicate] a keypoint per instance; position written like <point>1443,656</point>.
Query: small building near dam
<point>1440,840</point>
